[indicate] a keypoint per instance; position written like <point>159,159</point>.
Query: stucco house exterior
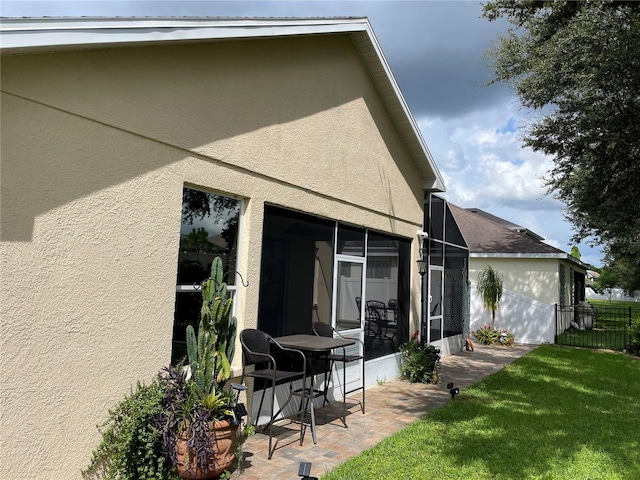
<point>134,151</point>
<point>536,276</point>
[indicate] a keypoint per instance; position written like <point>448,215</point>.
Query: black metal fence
<point>594,327</point>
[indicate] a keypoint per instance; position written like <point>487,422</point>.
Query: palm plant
<point>490,288</point>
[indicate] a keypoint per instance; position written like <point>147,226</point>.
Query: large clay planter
<point>224,444</point>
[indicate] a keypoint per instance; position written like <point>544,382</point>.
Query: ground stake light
<point>304,471</point>
<point>239,410</point>
<point>453,391</point>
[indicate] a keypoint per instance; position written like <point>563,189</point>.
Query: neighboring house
<point>129,145</point>
<point>536,276</point>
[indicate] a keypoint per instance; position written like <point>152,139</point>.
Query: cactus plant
<point>211,351</point>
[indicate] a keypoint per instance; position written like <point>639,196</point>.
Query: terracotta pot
<point>224,443</point>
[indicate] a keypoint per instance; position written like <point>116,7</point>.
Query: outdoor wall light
<point>453,391</point>
<point>304,471</point>
<point>423,266</point>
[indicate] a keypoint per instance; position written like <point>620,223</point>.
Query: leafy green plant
<point>210,352</point>
<point>195,397</point>
<point>490,336</point>
<point>419,360</point>
<point>490,289</point>
<point>130,447</point>
<point>634,344</point>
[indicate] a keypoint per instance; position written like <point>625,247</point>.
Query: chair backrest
<point>254,341</point>
<point>323,329</point>
<point>376,309</point>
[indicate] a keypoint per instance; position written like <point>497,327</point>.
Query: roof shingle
<point>485,233</point>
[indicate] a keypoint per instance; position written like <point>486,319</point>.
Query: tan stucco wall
<point>536,278</point>
<point>96,149</point>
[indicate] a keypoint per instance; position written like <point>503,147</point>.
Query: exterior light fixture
<point>453,391</point>
<point>304,471</point>
<point>239,410</point>
<point>423,266</point>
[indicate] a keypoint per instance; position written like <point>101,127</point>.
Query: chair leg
<point>308,402</point>
<point>264,390</point>
<point>273,401</point>
<point>328,378</point>
<point>313,418</point>
<point>344,393</point>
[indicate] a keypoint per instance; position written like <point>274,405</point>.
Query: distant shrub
<point>492,336</point>
<point>634,344</point>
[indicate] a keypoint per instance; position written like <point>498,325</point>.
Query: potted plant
<point>183,422</point>
<point>199,429</point>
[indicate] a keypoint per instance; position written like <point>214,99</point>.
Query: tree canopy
<point>578,64</point>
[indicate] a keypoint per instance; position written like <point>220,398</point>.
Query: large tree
<point>578,64</point>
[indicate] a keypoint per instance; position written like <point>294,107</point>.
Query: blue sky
<point>436,52</point>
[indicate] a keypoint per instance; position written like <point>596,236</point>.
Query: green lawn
<point>610,328</point>
<point>557,413</point>
<point>635,306</point>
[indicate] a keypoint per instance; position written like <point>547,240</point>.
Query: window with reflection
<point>209,229</point>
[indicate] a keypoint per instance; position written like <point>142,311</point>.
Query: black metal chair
<point>377,313</point>
<point>325,330</point>
<point>273,365</point>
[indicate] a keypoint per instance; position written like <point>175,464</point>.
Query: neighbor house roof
<point>491,236</point>
<point>23,35</point>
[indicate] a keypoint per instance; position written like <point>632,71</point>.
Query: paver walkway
<point>405,402</point>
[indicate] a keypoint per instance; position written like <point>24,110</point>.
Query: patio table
<point>315,347</point>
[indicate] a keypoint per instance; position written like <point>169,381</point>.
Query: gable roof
<point>35,35</point>
<point>491,236</point>
<point>505,223</point>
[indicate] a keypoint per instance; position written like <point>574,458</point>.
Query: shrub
<point>130,448</point>
<point>634,344</point>
<point>491,336</point>
<point>418,360</point>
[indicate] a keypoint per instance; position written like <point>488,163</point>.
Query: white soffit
<point>33,35</point>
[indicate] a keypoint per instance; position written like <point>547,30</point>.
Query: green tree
<point>198,240</point>
<point>490,289</point>
<point>606,282</point>
<point>575,252</point>
<point>578,65</point>
<point>626,268</point>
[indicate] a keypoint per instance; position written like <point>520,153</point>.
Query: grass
<point>557,413</point>
<point>615,303</point>
<point>610,328</point>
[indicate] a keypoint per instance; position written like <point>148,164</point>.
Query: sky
<point>436,51</point>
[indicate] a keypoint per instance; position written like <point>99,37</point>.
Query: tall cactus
<point>211,352</point>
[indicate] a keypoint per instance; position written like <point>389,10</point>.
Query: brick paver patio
<point>404,401</point>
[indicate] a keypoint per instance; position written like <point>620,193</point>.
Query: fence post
<point>630,326</point>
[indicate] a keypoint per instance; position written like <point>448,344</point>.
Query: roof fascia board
<point>22,35</point>
<point>559,256</point>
